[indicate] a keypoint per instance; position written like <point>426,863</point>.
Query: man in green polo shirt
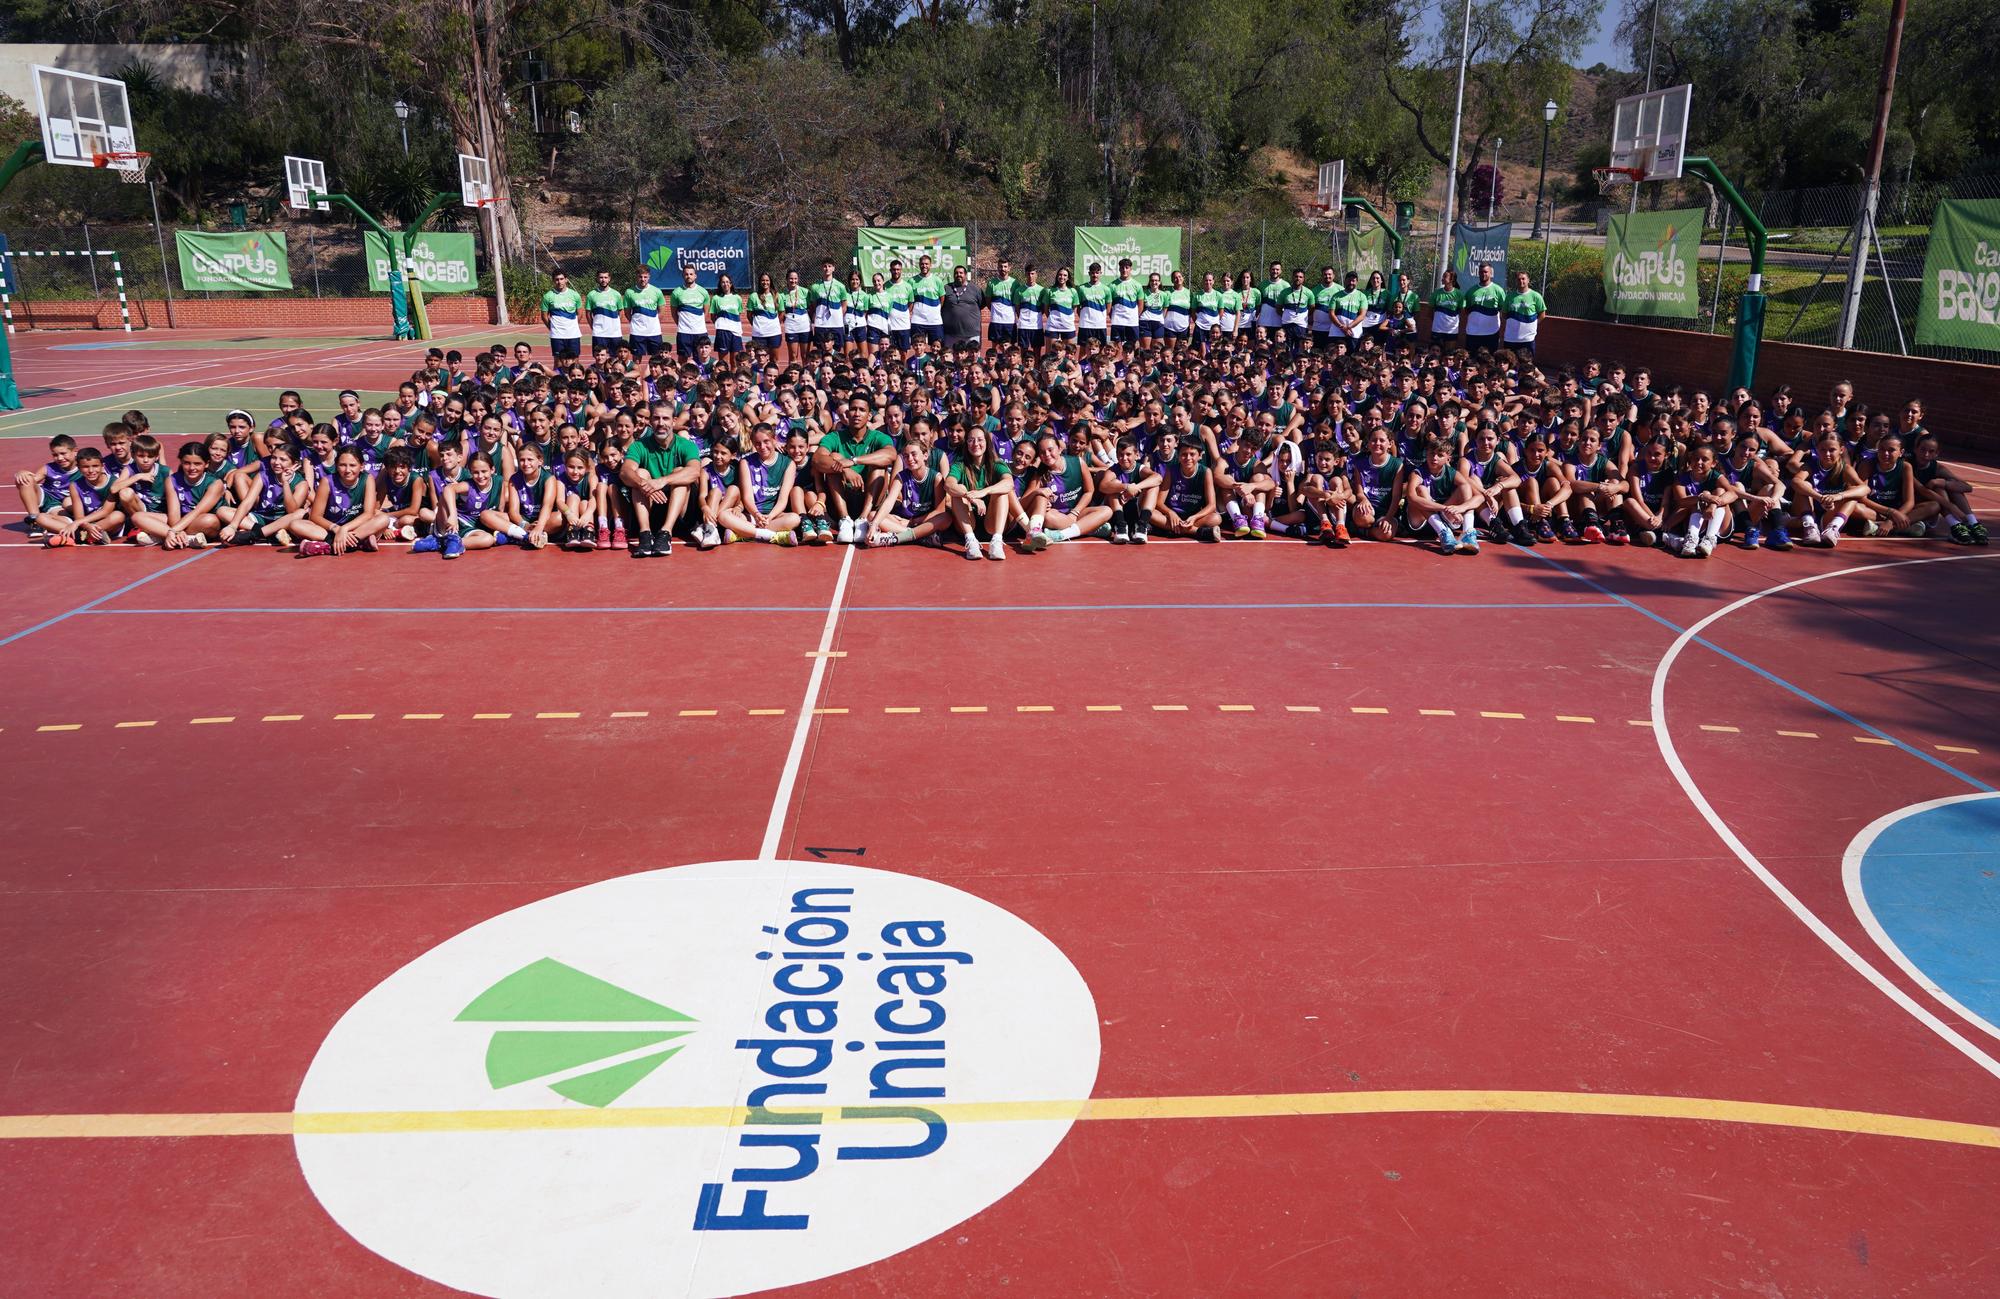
<point>999,295</point>
<point>852,466</point>
<point>660,466</point>
<point>1483,305</point>
<point>1094,314</point>
<point>1525,308</point>
<point>927,308</point>
<point>900,297</point>
<point>1126,291</point>
<point>690,316</point>
<point>1271,304</point>
<point>607,326</point>
<point>642,307</point>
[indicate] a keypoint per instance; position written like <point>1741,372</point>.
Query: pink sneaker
<point>311,548</point>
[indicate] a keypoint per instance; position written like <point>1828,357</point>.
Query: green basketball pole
<point>1750,310</point>
<point>1395,236</point>
<point>27,153</point>
<point>406,301</point>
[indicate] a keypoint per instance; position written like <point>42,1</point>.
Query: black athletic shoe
<point>1213,532</point>
<point>663,545</point>
<point>643,547</point>
<point>1520,535</point>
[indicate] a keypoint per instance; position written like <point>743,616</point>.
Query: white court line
<point>1850,874</point>
<point>1819,928</point>
<point>775,827</point>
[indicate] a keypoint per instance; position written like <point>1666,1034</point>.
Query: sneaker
<point>1260,527</point>
<point>1036,543</point>
<point>1325,534</point>
<point>618,541</point>
<point>1448,544</point>
<point>1468,543</point>
<point>1544,532</point>
<point>408,532</point>
<point>421,546</point>
<point>1238,528</point>
<point>972,550</point>
<point>505,539</point>
<point>196,541</point>
<point>142,539</point>
<point>1213,532</point>
<point>1141,533</point>
<point>1616,533</point>
<point>643,547</point>
<point>36,532</point>
<point>1519,535</point>
<point>583,541</point>
<point>1119,535</point>
<point>1692,541</point>
<point>1809,527</point>
<point>1706,547</point>
<point>1645,537</point>
<point>663,545</point>
<point>1753,537</point>
<point>846,533</point>
<point>451,548</point>
<point>1340,537</point>
<point>704,536</point>
<point>1962,534</point>
<point>877,538</point>
<point>727,537</point>
<point>56,540</point>
<point>786,538</point>
<point>1593,534</point>
<point>996,550</point>
<point>1978,534</point>
<point>1829,537</point>
<point>1780,539</point>
<point>1672,543</point>
<point>368,544</point>
<point>1569,532</point>
<point>308,549</point>
<point>603,537</point>
<point>1870,528</point>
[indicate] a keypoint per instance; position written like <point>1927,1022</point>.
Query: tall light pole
<point>1457,125</point>
<point>1493,179</point>
<point>403,117</point>
<point>1545,226</point>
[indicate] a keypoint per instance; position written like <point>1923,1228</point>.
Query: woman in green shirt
<point>1248,299</point>
<point>1208,309</point>
<point>1180,308</point>
<point>1525,309</point>
<point>766,325</point>
<point>1059,309</point>
<point>1153,309</point>
<point>1446,304</point>
<point>727,304</point>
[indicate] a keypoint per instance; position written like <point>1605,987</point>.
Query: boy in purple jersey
<point>45,491</point>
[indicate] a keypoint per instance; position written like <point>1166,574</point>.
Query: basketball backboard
<point>475,181</point>
<point>1332,185</point>
<point>83,117</point>
<point>305,177</point>
<point>1649,132</point>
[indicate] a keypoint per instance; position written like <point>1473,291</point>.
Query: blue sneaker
<point>1468,541</point>
<point>1780,539</point>
<point>1448,545</point>
<point>452,548</point>
<point>424,546</point>
<point>503,539</point>
<point>1753,537</point>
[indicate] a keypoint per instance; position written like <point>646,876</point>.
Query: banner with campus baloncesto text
<point>1368,252</point>
<point>443,263</point>
<point>1960,304</point>
<point>1153,249</point>
<point>876,246</point>
<point>1650,264</point>
<point>712,253</point>
<point>253,260</point>
<point>1472,245</point>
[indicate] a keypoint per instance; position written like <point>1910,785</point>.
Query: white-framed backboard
<point>475,180</point>
<point>82,116</point>
<point>305,177</point>
<point>1332,185</point>
<point>1649,132</point>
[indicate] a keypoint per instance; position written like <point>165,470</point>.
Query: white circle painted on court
<point>562,1072</point>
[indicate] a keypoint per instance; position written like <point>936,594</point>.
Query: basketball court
<point>1241,919</point>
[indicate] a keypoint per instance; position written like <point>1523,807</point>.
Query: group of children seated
<point>984,449</point>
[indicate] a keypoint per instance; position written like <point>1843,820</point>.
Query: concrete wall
<point>189,66</point>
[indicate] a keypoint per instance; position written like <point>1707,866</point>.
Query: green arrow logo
<point>579,1007</point>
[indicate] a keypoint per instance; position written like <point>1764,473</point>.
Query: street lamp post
<point>403,117</point>
<point>1545,224</point>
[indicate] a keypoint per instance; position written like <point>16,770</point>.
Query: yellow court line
<point>828,712</point>
<point>968,708</point>
<point>826,654</point>
<point>630,713</point>
<point>423,717</point>
<point>1872,739</point>
<point>1510,717</point>
<point>902,710</point>
<point>491,717</point>
<point>1103,708</point>
<point>1434,712</point>
<point>1367,710</point>
<point>209,721</point>
<point>284,717</point>
<point>1638,721</point>
<point>697,712</point>
<point>1564,717</point>
<point>1301,708</point>
<point>1801,735</point>
<point>1108,1109</point>
<point>557,716</point>
<point>354,717</point>
<point>767,712</point>
<point>1169,708</point>
<point>1953,748</point>
<point>1726,730</point>
<point>1236,708</point>
<point>1034,708</point>
<point>127,726</point>
<point>64,726</point>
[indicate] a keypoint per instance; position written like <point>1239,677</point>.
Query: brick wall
<point>1958,397</point>
<point>271,315</point>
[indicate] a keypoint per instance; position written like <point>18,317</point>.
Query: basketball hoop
<point>1609,178</point>
<point>130,164</point>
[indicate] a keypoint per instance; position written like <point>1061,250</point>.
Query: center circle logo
<point>700,1081</point>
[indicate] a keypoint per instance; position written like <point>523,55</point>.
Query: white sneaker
<point>1672,543</point>
<point>1038,542</point>
<point>1707,546</point>
<point>881,538</point>
<point>845,532</point>
<point>996,550</point>
<point>972,548</point>
<point>1809,527</point>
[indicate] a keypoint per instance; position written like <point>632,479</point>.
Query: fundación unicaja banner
<point>1151,248</point>
<point>1961,297</point>
<point>441,263</point>
<point>712,253</point>
<point>235,261</point>
<point>876,246</point>
<point>1471,245</point>
<point>1650,263</point>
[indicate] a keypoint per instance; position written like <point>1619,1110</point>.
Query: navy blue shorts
<point>650,344</point>
<point>1000,333</point>
<point>727,341</point>
<point>825,337</point>
<point>899,339</point>
<point>1028,338</point>
<point>688,346</point>
<point>565,349</point>
<point>1152,329</point>
<point>1099,334</point>
<point>933,332</point>
<point>606,343</point>
<point>1124,333</point>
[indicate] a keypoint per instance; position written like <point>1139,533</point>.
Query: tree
<point>628,148</point>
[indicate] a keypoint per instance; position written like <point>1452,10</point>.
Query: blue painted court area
<point>97,347</point>
<point>1927,885</point>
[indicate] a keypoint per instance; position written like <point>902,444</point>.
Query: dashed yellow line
<point>423,717</point>
<point>633,713</point>
<point>354,717</point>
<point>1433,712</point>
<point>209,721</point>
<point>1638,721</point>
<point>1368,710</point>
<point>1953,748</point>
<point>1565,717</point>
<point>1801,735</point>
<point>1301,708</point>
<point>62,726</point>
<point>1725,730</point>
<point>968,708</point>
<point>828,712</point>
<point>696,712</point>
<point>130,726</point>
<point>902,711</point>
<point>1034,708</point>
<point>1103,708</point>
<point>1506,717</point>
<point>826,654</point>
<point>557,717</point>
<point>491,717</point>
<point>1236,708</point>
<point>284,717</point>
<point>1169,708</point>
<point>1871,739</point>
<point>767,712</point>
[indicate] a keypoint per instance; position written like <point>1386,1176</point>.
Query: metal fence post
<point>1263,229</point>
<point>90,256</point>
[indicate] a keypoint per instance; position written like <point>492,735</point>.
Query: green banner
<point>1368,252</point>
<point>1151,248</point>
<point>876,246</point>
<point>1961,298</point>
<point>245,259</point>
<point>1650,261</point>
<point>443,263</point>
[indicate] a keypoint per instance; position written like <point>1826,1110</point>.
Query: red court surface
<point>1416,968</point>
